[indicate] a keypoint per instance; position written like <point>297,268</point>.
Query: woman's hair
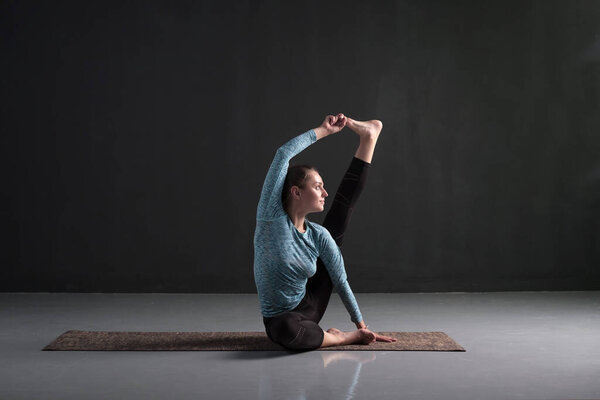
<point>296,176</point>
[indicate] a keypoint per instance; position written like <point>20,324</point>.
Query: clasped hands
<point>334,123</point>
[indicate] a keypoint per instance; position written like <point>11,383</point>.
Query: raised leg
<point>319,287</point>
<point>354,180</point>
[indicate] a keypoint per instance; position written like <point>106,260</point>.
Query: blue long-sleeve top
<point>284,258</point>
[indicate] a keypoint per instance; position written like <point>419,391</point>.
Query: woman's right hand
<point>332,124</point>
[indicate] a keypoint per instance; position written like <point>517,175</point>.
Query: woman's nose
<point>325,194</point>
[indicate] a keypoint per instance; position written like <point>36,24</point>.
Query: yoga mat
<point>228,341</point>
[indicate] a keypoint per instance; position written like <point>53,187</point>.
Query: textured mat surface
<point>228,341</point>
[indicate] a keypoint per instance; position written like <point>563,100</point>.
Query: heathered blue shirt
<point>284,258</point>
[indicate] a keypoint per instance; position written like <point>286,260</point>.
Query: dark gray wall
<point>135,139</point>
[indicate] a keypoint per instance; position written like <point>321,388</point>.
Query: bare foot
<point>367,129</point>
<point>359,336</point>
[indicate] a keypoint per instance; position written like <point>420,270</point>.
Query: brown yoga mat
<point>228,341</point>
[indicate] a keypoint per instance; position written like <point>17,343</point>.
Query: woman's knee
<point>285,330</point>
<point>289,332</point>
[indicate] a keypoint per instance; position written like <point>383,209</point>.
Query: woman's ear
<point>295,191</point>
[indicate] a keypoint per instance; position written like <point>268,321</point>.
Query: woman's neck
<point>298,219</point>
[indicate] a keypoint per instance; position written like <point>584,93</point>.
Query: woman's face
<point>312,196</point>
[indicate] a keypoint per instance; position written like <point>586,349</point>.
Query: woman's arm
<point>361,325</point>
<point>334,263</point>
<point>269,205</point>
<point>332,258</point>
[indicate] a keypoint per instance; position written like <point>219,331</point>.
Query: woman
<point>297,262</point>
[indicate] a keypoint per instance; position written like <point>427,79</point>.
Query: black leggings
<point>298,329</point>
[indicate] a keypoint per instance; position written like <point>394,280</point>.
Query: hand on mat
<point>381,338</point>
<point>334,123</point>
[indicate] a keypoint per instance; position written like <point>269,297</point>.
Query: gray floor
<point>541,345</point>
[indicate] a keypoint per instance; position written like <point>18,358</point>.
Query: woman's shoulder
<point>313,225</point>
<point>320,230</point>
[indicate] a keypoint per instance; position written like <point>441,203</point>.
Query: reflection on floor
<point>521,345</point>
<point>320,374</point>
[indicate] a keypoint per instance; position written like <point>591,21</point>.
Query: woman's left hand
<point>378,337</point>
<point>381,338</point>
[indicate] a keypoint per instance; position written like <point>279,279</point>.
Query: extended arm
<point>269,205</point>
